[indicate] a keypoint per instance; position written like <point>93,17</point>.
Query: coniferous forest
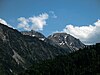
<point>82,62</point>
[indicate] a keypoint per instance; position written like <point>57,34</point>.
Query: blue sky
<point>65,12</point>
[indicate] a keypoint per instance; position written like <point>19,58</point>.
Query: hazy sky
<point>49,16</point>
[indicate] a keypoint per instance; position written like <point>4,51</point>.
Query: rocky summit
<point>66,41</point>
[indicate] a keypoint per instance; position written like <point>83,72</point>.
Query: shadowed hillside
<point>83,62</point>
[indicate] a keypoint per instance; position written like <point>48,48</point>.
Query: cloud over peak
<point>3,21</point>
<point>33,23</point>
<point>87,34</point>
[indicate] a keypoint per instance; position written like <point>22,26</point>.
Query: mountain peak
<point>65,40</point>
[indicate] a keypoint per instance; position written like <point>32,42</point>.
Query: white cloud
<point>23,23</point>
<point>53,14</point>
<point>33,23</point>
<point>5,23</point>
<point>87,34</point>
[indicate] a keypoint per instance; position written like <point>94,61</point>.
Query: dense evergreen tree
<point>82,62</point>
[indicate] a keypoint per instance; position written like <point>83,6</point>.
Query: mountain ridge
<point>63,40</point>
<point>18,52</point>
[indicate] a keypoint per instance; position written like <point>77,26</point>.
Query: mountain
<point>66,41</point>
<point>18,51</point>
<point>41,37</point>
<point>60,40</point>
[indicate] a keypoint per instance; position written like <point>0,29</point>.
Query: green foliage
<point>82,62</point>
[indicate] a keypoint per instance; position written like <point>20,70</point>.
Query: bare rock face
<point>66,41</point>
<point>34,34</point>
<point>18,51</point>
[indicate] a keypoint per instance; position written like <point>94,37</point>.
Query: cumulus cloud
<point>33,23</point>
<point>5,23</point>
<point>23,23</point>
<point>87,34</point>
<point>53,14</point>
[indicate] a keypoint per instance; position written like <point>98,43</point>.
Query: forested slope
<point>82,62</point>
